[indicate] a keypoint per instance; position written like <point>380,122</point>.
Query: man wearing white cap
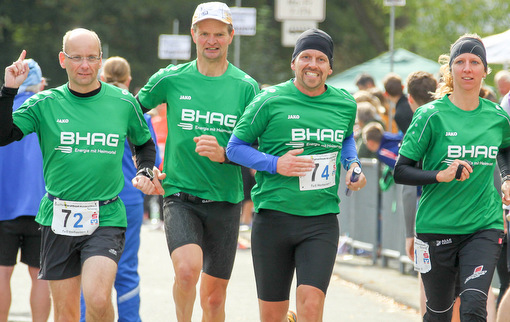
<point>203,190</point>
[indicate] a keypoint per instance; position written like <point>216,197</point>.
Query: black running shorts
<point>282,243</point>
<point>214,226</point>
<point>20,233</point>
<point>63,256</point>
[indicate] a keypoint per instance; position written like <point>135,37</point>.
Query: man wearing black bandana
<point>459,223</point>
<point>304,129</point>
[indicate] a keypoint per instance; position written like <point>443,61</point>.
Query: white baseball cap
<point>212,10</point>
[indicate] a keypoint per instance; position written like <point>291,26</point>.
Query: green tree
<point>429,27</point>
<point>131,28</point>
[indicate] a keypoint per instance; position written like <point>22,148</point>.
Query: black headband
<point>314,39</point>
<point>471,46</point>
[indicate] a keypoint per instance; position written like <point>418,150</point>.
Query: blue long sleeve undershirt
<point>241,152</point>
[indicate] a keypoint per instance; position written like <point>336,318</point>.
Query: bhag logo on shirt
<point>462,151</point>
<point>317,134</point>
<point>90,139</point>
<point>188,115</point>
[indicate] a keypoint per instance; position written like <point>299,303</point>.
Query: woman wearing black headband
<point>459,223</point>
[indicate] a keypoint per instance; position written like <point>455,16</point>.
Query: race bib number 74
<point>75,218</point>
<point>323,175</point>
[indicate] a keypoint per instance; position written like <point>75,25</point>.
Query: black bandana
<point>314,39</point>
<point>471,46</point>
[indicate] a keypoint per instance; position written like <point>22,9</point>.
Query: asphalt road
<point>345,301</point>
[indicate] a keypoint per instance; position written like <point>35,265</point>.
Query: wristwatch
<point>146,172</point>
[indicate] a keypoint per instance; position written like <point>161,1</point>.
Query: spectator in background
<point>384,110</point>
<point>117,71</point>
<point>21,191</point>
<point>489,94</point>
<point>502,267</point>
<point>384,144</point>
<point>367,96</point>
<point>365,114</point>
<point>394,91</point>
<point>364,81</point>
<point>502,81</point>
<point>421,87</point>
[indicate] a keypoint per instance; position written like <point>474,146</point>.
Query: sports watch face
<point>150,173</point>
<point>146,172</point>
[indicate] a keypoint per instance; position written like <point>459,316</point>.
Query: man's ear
<point>61,60</point>
<point>410,99</point>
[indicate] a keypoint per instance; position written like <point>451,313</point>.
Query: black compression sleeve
<point>144,109</point>
<point>406,173</point>
<point>145,155</point>
<point>504,161</point>
<point>9,132</point>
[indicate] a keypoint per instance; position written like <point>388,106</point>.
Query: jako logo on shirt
<point>318,134</point>
<point>293,117</point>
<point>185,97</point>
<point>188,115</point>
<point>89,138</point>
<point>462,151</point>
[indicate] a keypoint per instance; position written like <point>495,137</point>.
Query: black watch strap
<point>146,172</point>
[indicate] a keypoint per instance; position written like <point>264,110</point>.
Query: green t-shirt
<point>199,105</point>
<point>439,133</point>
<point>82,143</point>
<point>283,119</point>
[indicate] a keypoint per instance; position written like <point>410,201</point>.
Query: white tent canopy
<point>498,48</point>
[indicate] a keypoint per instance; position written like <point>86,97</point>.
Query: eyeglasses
<point>79,59</point>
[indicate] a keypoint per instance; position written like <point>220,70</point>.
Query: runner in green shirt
<point>81,126</point>
<point>303,129</point>
<point>204,99</point>
<point>459,223</point>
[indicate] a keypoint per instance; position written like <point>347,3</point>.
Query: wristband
<point>227,160</point>
<point>351,161</point>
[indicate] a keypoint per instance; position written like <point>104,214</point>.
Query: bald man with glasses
<point>82,126</point>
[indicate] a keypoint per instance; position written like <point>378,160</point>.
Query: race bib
<point>421,256</point>
<point>323,175</point>
<point>75,218</point>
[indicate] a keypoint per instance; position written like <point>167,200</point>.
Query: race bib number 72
<point>323,175</point>
<point>75,218</point>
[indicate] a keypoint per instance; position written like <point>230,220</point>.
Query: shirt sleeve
<point>241,152</point>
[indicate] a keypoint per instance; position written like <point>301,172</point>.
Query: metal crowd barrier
<point>372,221</point>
